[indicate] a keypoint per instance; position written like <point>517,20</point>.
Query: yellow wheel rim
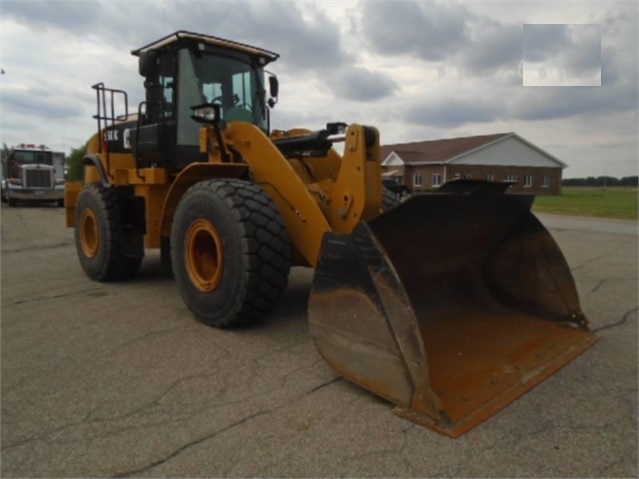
<point>203,255</point>
<point>89,233</point>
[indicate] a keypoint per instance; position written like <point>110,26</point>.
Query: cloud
<point>453,112</point>
<point>360,84</point>
<point>573,49</point>
<point>305,37</point>
<point>27,100</point>
<point>431,31</point>
<point>547,103</point>
<point>306,41</point>
<point>113,23</point>
<point>75,17</point>
<point>494,46</point>
<point>449,35</point>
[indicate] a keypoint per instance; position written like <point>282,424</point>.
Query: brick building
<point>425,165</point>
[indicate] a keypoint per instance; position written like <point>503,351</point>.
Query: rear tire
<point>98,237</point>
<point>230,252</point>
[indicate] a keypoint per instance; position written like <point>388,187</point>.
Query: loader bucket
<point>450,306</point>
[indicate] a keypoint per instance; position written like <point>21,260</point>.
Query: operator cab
<point>187,69</point>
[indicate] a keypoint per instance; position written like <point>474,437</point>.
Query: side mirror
<point>274,86</point>
<point>147,64</point>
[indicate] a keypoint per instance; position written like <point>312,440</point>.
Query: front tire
<point>98,237</point>
<point>230,252</point>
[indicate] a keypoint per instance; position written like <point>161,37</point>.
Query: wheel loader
<point>449,305</point>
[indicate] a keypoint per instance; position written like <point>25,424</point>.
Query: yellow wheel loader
<point>449,305</point>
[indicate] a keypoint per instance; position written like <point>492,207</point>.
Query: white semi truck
<point>33,173</point>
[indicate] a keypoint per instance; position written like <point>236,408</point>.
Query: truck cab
<point>33,173</point>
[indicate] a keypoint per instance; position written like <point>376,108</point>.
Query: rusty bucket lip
<point>365,263</point>
<point>495,404</point>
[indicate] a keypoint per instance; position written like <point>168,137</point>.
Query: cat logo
<point>111,135</point>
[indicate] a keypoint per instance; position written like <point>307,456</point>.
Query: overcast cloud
<point>431,31</point>
<point>572,50</point>
<point>415,69</point>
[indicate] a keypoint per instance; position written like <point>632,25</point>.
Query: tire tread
<point>117,266</point>
<point>265,244</point>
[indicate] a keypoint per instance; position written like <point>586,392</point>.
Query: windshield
<point>211,78</point>
<point>33,157</point>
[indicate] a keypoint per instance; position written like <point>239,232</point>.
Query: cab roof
<point>184,37</point>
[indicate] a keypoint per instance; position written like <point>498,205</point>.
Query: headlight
<point>206,113</point>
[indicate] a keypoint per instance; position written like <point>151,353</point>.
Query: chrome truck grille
<point>38,178</point>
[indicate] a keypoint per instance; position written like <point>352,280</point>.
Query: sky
<point>561,74</point>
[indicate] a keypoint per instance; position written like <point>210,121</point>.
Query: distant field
<point>611,202</point>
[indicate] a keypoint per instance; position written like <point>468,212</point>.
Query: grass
<point>610,202</point>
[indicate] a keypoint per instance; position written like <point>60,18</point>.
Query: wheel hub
<point>89,233</point>
<point>203,255</point>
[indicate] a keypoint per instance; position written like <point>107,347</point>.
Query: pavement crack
<point>38,248</point>
<point>323,385</point>
<point>43,435</point>
<point>606,280</point>
<point>599,285</point>
<point>151,334</point>
<point>87,420</point>
<point>57,296</point>
<point>588,262</point>
<point>623,319</point>
<point>190,444</point>
<point>294,345</point>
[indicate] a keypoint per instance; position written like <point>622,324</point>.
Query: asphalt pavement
<point>119,380</point>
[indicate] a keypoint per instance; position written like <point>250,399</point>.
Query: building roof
<point>450,149</point>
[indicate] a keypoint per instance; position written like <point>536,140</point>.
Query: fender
<point>94,160</point>
<point>189,176</point>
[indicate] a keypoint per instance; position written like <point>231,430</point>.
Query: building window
<point>490,177</point>
<point>546,181</point>
<point>468,176</point>
<point>511,177</point>
<point>437,179</point>
<point>418,180</point>
<point>528,181</point>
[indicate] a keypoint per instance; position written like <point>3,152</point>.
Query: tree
<point>601,181</point>
<point>75,170</point>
